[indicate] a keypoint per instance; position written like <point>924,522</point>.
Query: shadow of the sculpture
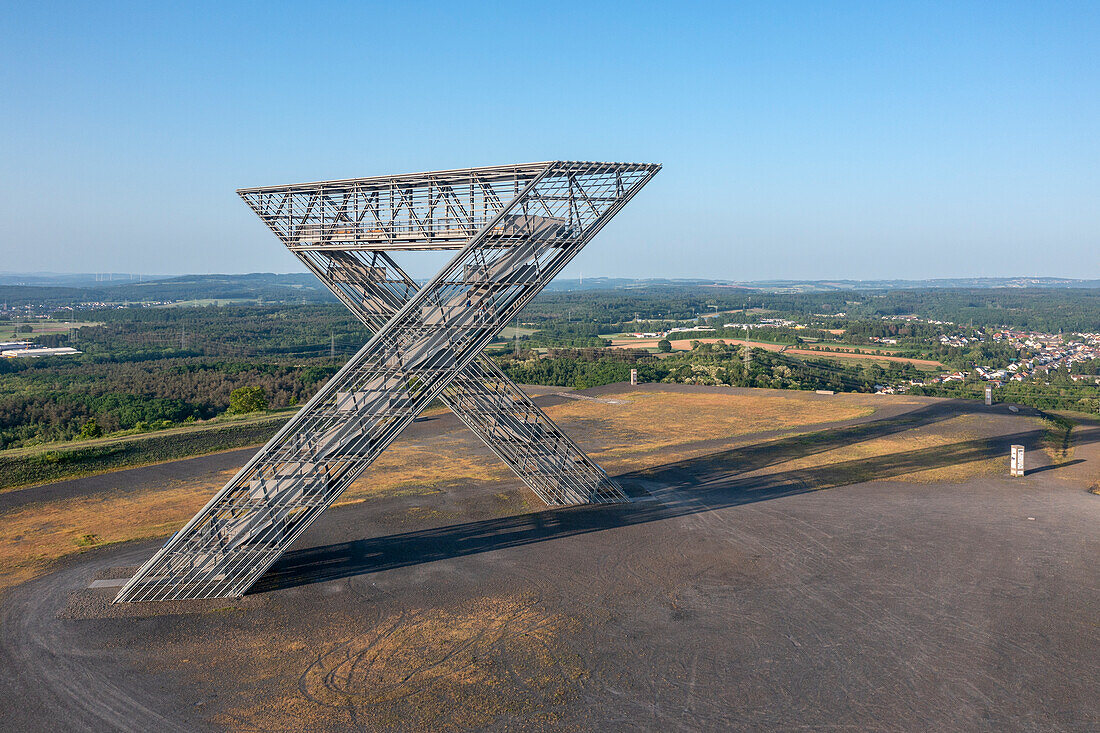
<point>675,489</point>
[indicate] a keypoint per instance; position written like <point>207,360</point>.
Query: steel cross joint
<point>374,287</point>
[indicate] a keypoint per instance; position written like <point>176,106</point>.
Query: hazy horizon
<point>125,277</point>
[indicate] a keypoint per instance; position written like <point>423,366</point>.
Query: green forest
<point>710,364</point>
<point>1040,309</point>
<point>147,368</point>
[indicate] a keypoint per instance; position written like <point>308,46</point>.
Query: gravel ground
<point>712,601</point>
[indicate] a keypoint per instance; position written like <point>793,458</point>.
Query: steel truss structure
<point>515,228</point>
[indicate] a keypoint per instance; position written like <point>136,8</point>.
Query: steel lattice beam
<point>520,243</point>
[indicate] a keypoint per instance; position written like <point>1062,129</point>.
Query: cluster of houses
<point>910,318</point>
<point>1047,353</point>
<point>957,340</point>
<point>1050,353</point>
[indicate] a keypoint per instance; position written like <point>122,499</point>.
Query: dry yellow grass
<point>423,466</point>
<point>33,536</point>
<point>951,451</point>
<point>652,422</point>
<point>671,417</point>
<point>649,429</point>
<point>464,665</point>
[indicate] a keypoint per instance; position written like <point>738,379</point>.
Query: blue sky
<point>799,140</point>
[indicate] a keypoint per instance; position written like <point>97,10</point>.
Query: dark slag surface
<point>715,600</point>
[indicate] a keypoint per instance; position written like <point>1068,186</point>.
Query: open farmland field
<point>789,560</point>
<point>887,348</point>
<point>831,354</point>
<point>8,330</point>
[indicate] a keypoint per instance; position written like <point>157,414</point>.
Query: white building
<point>10,345</point>
<point>35,352</point>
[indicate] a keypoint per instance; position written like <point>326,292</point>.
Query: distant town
<point>1040,354</point>
<point>1037,356</point>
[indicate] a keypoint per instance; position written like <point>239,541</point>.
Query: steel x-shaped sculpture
<point>516,227</point>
